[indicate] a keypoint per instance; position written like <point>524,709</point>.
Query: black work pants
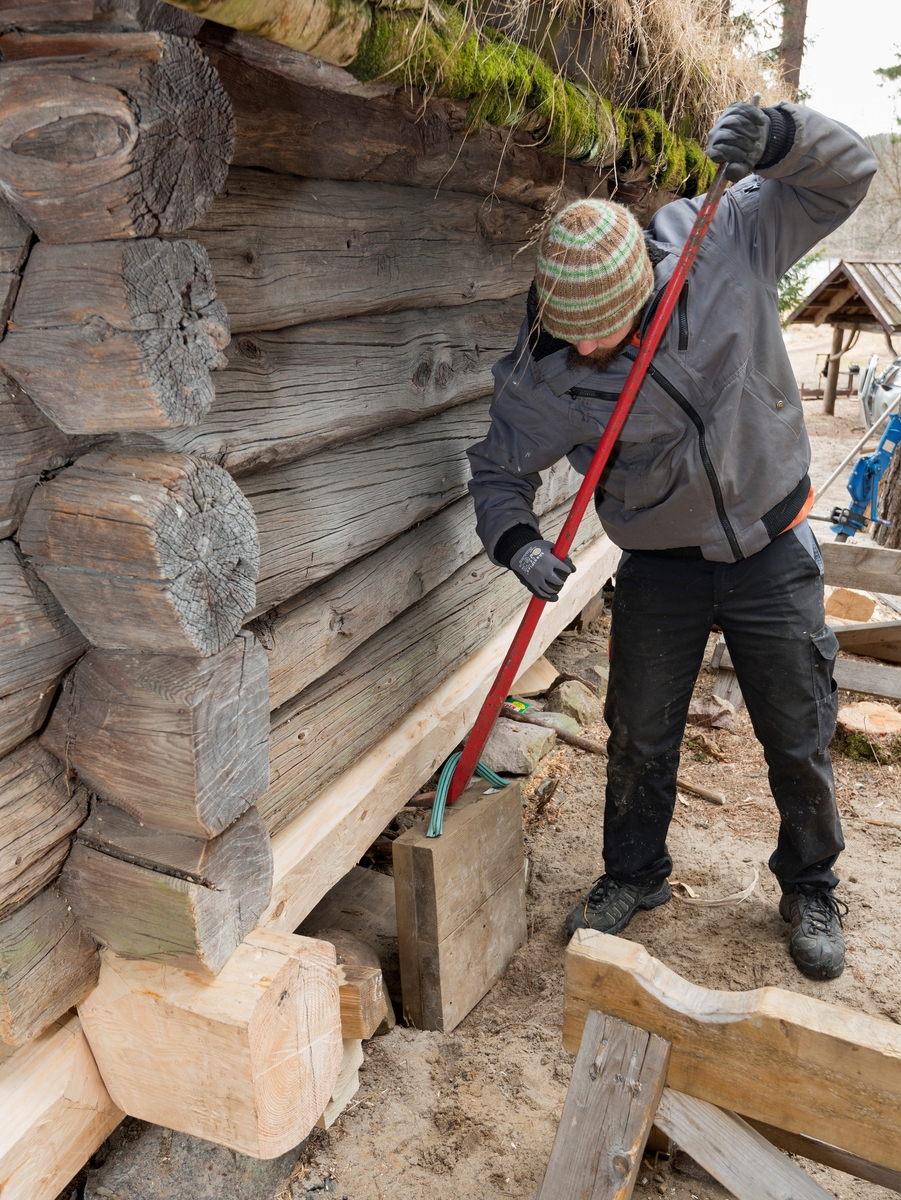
<point>770,609</point>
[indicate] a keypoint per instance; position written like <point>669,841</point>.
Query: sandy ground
<point>473,1114</point>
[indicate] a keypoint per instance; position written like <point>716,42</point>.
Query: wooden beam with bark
<point>110,336</point>
<point>181,744</point>
<point>110,135</point>
<point>286,250</point>
<point>146,552</point>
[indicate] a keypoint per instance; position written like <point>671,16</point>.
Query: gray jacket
<point>714,453</point>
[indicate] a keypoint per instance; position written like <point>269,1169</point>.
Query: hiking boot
<point>816,943</point>
<point>611,904</point>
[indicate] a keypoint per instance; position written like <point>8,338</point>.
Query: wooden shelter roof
<point>859,294</point>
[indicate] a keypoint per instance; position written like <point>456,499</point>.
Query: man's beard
<point>600,358</point>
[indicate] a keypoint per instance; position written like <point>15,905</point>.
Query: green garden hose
<point>436,825</point>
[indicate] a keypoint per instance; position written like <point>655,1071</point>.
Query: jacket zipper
<point>709,468</point>
<point>591,394</point>
<point>683,319</point>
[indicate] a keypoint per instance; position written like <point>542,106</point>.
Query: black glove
<point>739,138</point>
<point>542,573</point>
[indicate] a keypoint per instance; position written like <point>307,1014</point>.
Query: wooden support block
<point>370,689</point>
<point>181,744</point>
<point>47,965</point>
<point>298,114</point>
<point>347,1084</point>
<point>617,1082</point>
<point>248,1059</point>
<point>146,552</point>
<point>108,336</point>
<point>867,568</point>
<point>286,250</point>
<point>876,639</point>
<point>320,845</point>
<point>775,1056</point>
<point>308,635</point>
<point>289,393</point>
<point>461,905</point>
<point>743,1161</point>
<point>111,135</point>
<point>56,1112</point>
<point>364,1005</point>
<point>40,809</point>
<point>37,643</point>
<point>829,1156</point>
<point>166,897</point>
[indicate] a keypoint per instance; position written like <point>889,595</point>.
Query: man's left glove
<point>540,570</point>
<point>739,138</point>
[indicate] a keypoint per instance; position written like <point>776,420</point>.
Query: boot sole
<point>647,904</point>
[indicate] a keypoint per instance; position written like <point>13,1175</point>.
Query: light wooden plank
<point>876,639</point>
<point>617,1081</point>
<point>738,1156</point>
<point>865,568</point>
<point>328,837</point>
<point>829,1156</point>
<point>56,1112</point>
<point>777,1056</point>
<point>347,1084</point>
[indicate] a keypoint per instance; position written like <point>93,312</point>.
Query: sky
<point>846,42</point>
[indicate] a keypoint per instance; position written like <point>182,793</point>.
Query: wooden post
<point>248,1059</point>
<point>183,745</point>
<point>835,362</point>
<point>111,135</point>
<point>460,906</point>
<point>117,335</point>
<point>146,552</point>
<point>166,897</point>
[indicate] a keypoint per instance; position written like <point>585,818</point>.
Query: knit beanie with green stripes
<point>594,273</point>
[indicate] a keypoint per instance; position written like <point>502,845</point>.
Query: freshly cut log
<point>166,897</point>
<point>372,688</point>
<point>321,845</point>
<point>776,1056</point>
<point>39,812</point>
<point>286,250</point>
<point>316,516</point>
<point>146,552</point>
<point>37,643</point>
<point>47,965</point>
<point>866,568</point>
<point>15,240</point>
<point>56,1112</point>
<point>300,115</point>
<point>869,730</point>
<point>248,1059</point>
<point>30,445</point>
<point>347,1084</point>
<point>111,336</point>
<point>110,135</point>
<point>292,392</point>
<point>313,632</point>
<point>182,745</point>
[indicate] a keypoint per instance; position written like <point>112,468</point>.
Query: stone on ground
<point>147,1162</point>
<point>593,670</point>
<point>515,749</point>
<point>712,712</point>
<point>574,699</point>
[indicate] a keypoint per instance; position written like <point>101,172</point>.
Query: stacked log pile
<point>254,557</point>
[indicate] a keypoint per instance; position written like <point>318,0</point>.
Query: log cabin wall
<point>253,309</point>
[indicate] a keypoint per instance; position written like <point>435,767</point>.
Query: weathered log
<point>373,687</point>
<point>15,240</point>
<point>117,335</point>
<point>126,16</point>
<point>146,552</point>
<point>317,515</point>
<point>48,964</point>
<point>154,894</point>
<point>311,633</point>
<point>182,745</point>
<point>30,445</point>
<point>286,250</point>
<point>38,643</point>
<point>110,135</point>
<point>300,115</point>
<point>292,392</point>
<point>247,1059</point>
<point>39,812</point>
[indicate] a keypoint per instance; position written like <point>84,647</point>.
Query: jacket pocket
<point>591,411</point>
<point>823,649</point>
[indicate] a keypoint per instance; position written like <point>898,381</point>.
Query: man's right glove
<point>542,573</point>
<point>739,138</point>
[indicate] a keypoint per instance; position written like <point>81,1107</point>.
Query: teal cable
<point>436,825</point>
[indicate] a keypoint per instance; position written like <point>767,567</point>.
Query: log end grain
<point>869,730</point>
